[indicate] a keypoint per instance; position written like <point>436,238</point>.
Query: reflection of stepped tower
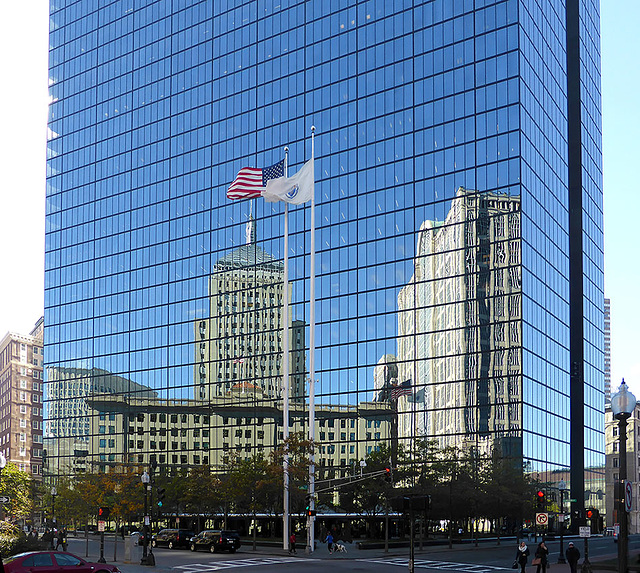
<point>460,323</point>
<point>241,342</point>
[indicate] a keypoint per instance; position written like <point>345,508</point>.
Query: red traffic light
<point>540,494</point>
<point>103,512</point>
<point>590,514</point>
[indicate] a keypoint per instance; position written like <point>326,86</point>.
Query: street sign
<point>542,518</point>
<point>4,499</point>
<point>585,531</point>
<point>101,525</point>
<point>147,520</point>
<point>561,518</point>
<point>628,495</point>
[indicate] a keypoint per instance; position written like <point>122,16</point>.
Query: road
<point>464,558</point>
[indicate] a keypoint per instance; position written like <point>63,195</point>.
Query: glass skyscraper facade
<point>459,229</point>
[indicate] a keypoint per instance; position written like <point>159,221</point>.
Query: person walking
<point>573,555</point>
<point>329,540</point>
<point>292,543</point>
<point>522,556</point>
<point>541,557</point>
<point>60,539</point>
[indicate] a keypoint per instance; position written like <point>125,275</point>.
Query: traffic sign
<point>101,525</point>
<point>585,531</point>
<point>542,518</point>
<point>4,499</point>
<point>628,495</point>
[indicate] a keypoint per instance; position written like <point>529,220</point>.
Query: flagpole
<point>285,368</point>
<point>312,365</point>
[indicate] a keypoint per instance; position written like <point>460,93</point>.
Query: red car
<point>54,562</point>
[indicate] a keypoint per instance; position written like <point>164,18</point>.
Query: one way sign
<point>4,499</point>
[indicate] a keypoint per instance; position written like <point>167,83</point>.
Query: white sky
<point>23,100</point>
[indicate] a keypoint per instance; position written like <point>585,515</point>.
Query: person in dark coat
<point>573,555</point>
<point>542,553</point>
<point>522,555</point>
<point>60,539</point>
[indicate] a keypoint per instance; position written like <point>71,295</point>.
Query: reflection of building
<point>67,390</point>
<point>21,361</point>
<point>245,423</point>
<point>242,338</point>
<point>385,375</point>
<point>459,327</point>
<point>612,471</point>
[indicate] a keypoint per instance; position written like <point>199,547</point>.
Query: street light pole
<point>54,492</point>
<point>3,462</point>
<point>622,405</point>
<point>562,487</point>
<point>145,483</point>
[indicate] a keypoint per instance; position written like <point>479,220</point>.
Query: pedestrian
<point>292,543</point>
<point>522,555</point>
<point>541,557</point>
<point>329,540</point>
<point>60,539</point>
<point>573,555</point>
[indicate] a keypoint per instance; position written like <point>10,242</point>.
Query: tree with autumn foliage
<point>16,485</point>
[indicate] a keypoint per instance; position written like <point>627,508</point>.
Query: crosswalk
<point>440,565</point>
<point>231,564</point>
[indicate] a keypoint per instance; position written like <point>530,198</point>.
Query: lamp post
<point>3,462</point>
<point>145,483</point>
<point>562,487</point>
<point>54,492</point>
<point>623,403</point>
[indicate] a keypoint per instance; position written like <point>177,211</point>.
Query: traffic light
<point>311,512</point>
<point>592,513</point>
<point>541,499</point>
<point>388,475</point>
<point>103,512</point>
<point>161,492</point>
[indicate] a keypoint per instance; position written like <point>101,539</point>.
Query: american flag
<point>250,181</point>
<point>403,389</point>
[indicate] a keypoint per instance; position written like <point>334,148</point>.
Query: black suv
<point>172,538</point>
<point>216,540</point>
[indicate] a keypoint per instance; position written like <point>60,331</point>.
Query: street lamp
<point>145,483</point>
<point>562,487</point>
<point>622,406</point>
<point>3,462</point>
<point>54,492</point>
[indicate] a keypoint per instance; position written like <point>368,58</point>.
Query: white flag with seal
<point>297,189</point>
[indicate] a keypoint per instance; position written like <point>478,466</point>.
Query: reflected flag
<point>403,389</point>
<point>251,181</point>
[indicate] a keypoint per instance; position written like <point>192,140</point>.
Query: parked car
<point>216,540</point>
<point>59,561</point>
<point>172,538</point>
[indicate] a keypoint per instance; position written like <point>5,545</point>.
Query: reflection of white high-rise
<point>240,345</point>
<point>459,332</point>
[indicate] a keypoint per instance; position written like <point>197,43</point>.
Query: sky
<point>23,98</point>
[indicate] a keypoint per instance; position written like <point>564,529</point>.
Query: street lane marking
<point>219,565</point>
<point>443,565</point>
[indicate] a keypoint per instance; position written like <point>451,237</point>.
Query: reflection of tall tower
<point>459,322</point>
<point>241,342</point>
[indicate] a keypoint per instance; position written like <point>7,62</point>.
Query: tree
<point>16,485</point>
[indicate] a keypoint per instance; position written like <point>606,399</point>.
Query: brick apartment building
<point>21,415</point>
